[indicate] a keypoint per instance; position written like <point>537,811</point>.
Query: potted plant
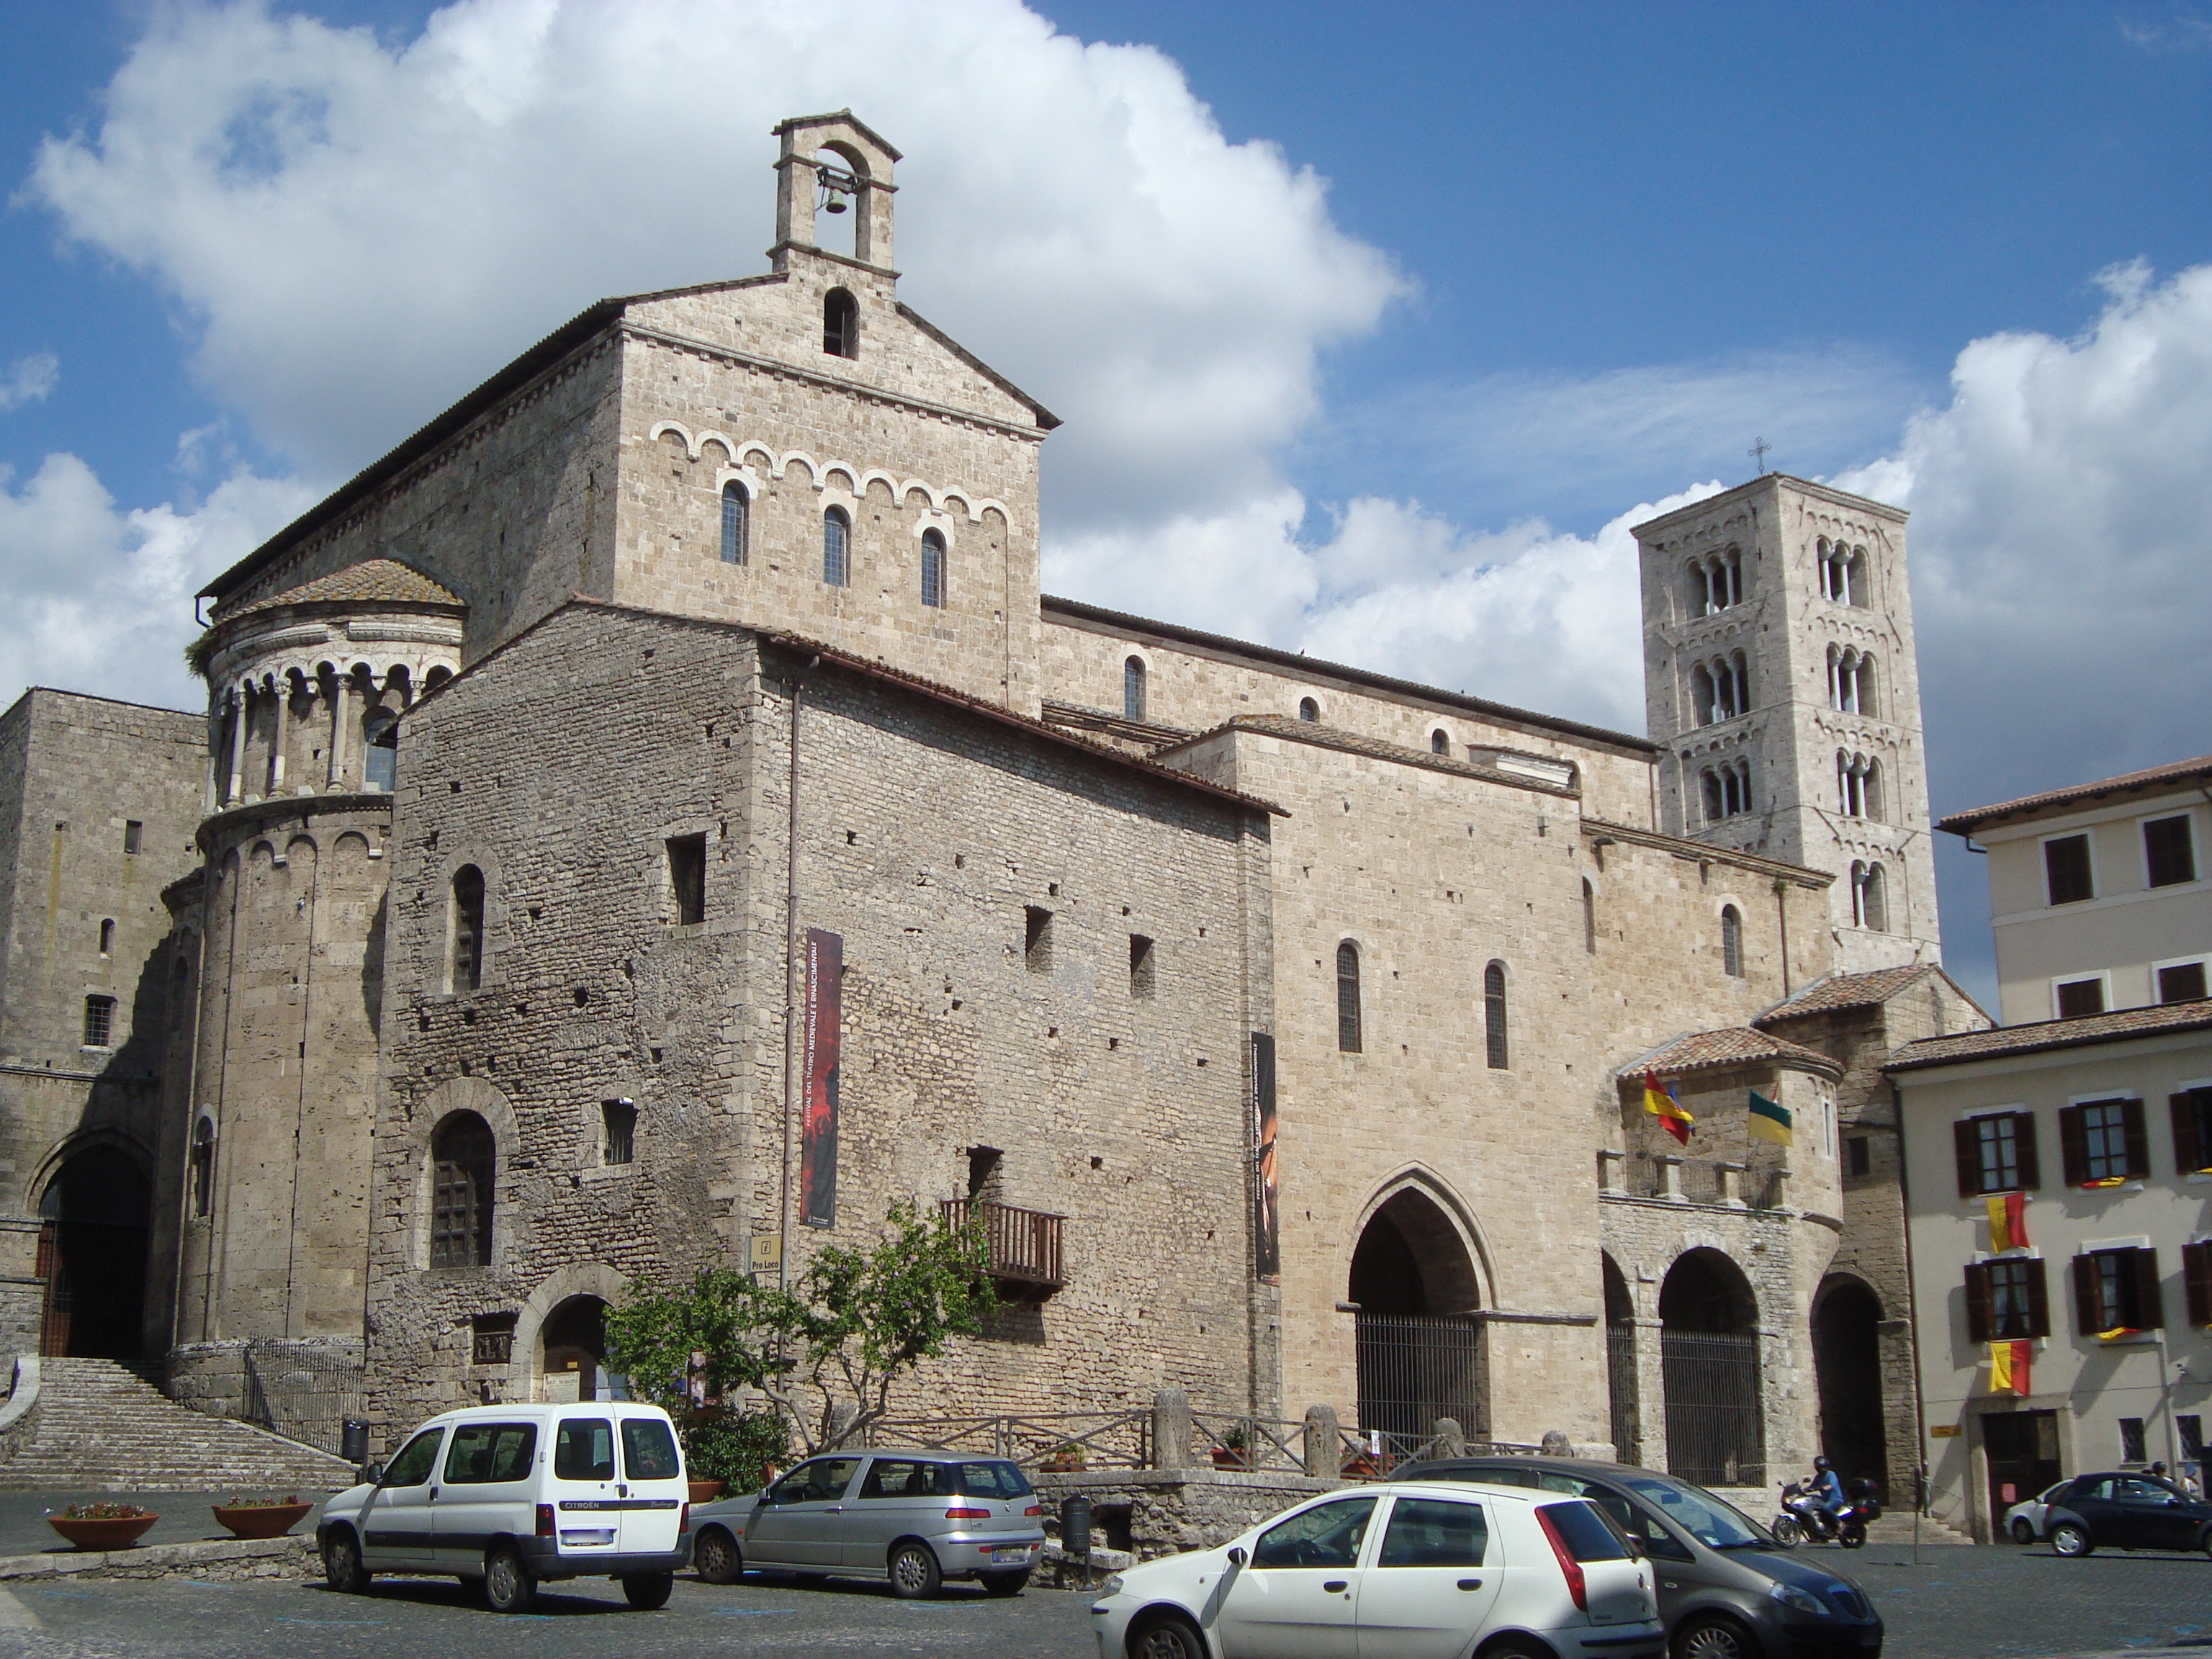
<point>727,1450</point>
<point>1066,1458</point>
<point>1367,1466</point>
<point>1235,1450</point>
<point>261,1518</point>
<point>102,1526</point>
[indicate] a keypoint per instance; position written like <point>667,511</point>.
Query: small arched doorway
<point>93,1226</point>
<point>1710,1372</point>
<point>1620,1362</point>
<point>1847,1366</point>
<point>1419,1349</point>
<point>575,1341</point>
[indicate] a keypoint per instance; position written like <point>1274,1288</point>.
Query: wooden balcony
<point>1024,1245</point>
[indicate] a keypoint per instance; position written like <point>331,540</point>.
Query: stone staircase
<point>94,1425</point>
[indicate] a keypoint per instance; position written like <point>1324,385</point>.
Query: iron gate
<point>1415,1368</point>
<point>1715,1429</point>
<point>1621,1388</point>
<point>303,1392</point>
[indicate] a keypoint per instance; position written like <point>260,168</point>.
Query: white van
<point>515,1495</point>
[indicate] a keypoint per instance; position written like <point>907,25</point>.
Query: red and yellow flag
<point>1659,1100</point>
<point>2007,1222</point>
<point>2009,1363</point>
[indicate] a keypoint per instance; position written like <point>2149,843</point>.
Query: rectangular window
<point>2131,1440</point>
<point>2080,998</point>
<point>1858,1156</point>
<point>1037,940</point>
<point>687,878</point>
<point>2066,868</point>
<point>2104,1141</point>
<point>584,1450</point>
<point>2167,853</point>
<point>1141,966</point>
<point>483,1454</point>
<point>491,1339</point>
<point>2183,983</point>
<point>618,1144</point>
<point>134,833</point>
<point>1997,1154</point>
<point>99,1022</point>
<point>2196,1282</point>
<point>2006,1300</point>
<point>2191,1429</point>
<point>2117,1290</point>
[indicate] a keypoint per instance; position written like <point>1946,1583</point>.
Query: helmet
<point>1821,1464</point>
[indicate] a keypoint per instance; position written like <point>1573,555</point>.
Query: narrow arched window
<point>734,515</point>
<point>1870,787</point>
<point>933,568</point>
<point>1701,693</point>
<point>840,324</point>
<point>836,548</point>
<point>1715,798</point>
<point>1308,710</point>
<point>1863,695</point>
<point>1731,941</point>
<point>1440,741</point>
<point>1589,916</point>
<point>1858,894</point>
<point>1875,906</point>
<point>1856,589</point>
<point>1494,1017</point>
<point>379,764</point>
<point>464,1165</point>
<point>468,927</point>
<point>1347,998</point>
<point>107,936</point>
<point>1133,689</point>
<point>203,1167</point>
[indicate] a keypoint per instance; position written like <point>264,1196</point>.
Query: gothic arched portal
<point>1419,1348</point>
<point>1710,1371</point>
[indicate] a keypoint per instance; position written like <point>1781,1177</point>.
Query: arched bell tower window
<point>735,515</point>
<point>380,765</point>
<point>933,568</point>
<point>840,324</point>
<point>468,927</point>
<point>1133,689</point>
<point>1347,998</point>
<point>1440,741</point>
<point>463,1166</point>
<point>1308,710</point>
<point>836,548</point>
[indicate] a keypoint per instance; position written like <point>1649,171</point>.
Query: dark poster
<point>1266,1247</point>
<point>824,1016</point>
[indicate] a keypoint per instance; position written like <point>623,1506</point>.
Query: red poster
<point>824,1016</point>
<point>1266,1244</point>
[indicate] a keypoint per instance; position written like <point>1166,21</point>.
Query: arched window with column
<point>933,569</point>
<point>1133,689</point>
<point>836,548</point>
<point>736,516</point>
<point>1347,998</point>
<point>463,1172</point>
<point>468,911</point>
<point>1873,900</point>
<point>1495,1051</point>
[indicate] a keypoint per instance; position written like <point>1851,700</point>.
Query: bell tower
<point>1780,677</point>
<point>829,161</point>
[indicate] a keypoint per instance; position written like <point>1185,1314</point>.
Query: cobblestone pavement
<point>1960,1603</point>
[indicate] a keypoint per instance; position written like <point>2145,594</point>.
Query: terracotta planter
<point>1230,1457</point>
<point>1060,1466</point>
<point>705,1491</point>
<point>119,1534</point>
<point>261,1520</point>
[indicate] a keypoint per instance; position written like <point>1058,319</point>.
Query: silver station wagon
<point>916,1518</point>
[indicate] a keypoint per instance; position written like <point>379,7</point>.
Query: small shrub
<point>737,1447</point>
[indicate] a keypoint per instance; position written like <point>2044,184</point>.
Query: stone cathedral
<point>652,816</point>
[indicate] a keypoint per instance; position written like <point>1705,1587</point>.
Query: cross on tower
<point>1758,453</point>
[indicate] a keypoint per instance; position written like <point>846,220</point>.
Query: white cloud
<point>28,379</point>
<point>100,600</point>
<point>362,229</point>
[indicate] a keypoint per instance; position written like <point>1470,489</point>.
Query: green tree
<point>837,1341</point>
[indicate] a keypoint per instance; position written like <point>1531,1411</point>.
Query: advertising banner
<point>1266,1237</point>
<point>822,1024</point>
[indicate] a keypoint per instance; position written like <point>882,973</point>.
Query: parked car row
<point>2117,1508</point>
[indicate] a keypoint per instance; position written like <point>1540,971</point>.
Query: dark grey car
<point>914,1517</point>
<point>1727,1591</point>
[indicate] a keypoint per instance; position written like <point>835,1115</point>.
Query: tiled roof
<point>1730,1046</point>
<point>372,581</point>
<point>1841,991</point>
<point>2045,1034</point>
<point>2187,771</point>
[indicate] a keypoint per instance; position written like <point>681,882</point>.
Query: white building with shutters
<point>2101,1124</point>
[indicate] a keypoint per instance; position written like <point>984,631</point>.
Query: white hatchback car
<point>1405,1570</point>
<point>513,1495</point>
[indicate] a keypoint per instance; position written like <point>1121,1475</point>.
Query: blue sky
<point>1379,325</point>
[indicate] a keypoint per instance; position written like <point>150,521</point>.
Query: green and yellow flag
<point>1770,1121</point>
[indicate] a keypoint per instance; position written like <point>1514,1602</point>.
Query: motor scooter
<point>1803,1517</point>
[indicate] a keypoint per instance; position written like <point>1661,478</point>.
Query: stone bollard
<point>1450,1440</point>
<point>1324,1449</point>
<point>1170,1429</point>
<point>1557,1444</point>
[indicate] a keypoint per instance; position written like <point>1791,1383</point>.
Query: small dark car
<point>1727,1591</point>
<point>2119,1510</point>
